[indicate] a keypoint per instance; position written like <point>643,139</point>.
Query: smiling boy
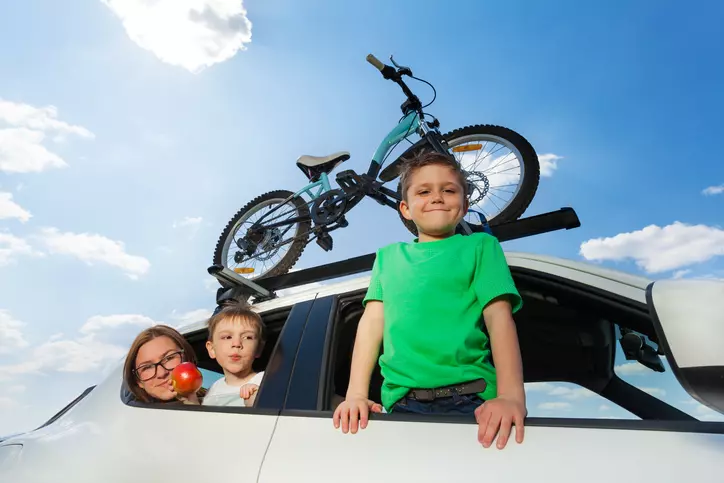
<point>236,339</point>
<point>425,302</point>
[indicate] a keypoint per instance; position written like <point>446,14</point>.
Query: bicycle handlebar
<point>375,61</point>
<point>395,75</point>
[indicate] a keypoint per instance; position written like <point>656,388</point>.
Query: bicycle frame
<point>408,125</point>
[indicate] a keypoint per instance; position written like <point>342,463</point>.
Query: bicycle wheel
<point>488,154</point>
<point>262,253</point>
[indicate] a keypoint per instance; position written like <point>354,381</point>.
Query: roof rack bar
<point>563,219</point>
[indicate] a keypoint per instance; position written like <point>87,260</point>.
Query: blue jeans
<point>454,404</point>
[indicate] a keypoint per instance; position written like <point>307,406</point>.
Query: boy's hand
<point>248,390</point>
<point>496,417</point>
<point>353,413</point>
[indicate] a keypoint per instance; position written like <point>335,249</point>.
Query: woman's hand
<point>188,398</point>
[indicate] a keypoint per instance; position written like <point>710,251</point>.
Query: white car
<point>574,317</point>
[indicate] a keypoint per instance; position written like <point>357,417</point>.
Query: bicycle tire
<point>528,186</point>
<point>301,238</point>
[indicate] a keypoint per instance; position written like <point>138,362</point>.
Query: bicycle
<point>324,211</point>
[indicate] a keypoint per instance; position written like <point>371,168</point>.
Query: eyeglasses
<point>148,371</point>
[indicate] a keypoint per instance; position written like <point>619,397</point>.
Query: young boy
<point>236,339</point>
<point>425,302</point>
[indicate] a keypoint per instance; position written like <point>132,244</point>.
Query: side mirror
<point>688,316</point>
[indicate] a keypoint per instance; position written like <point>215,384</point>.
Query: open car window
<point>662,385</point>
<point>568,400</point>
<point>570,342</point>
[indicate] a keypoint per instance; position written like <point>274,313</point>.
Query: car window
<point>568,400</point>
<point>662,385</point>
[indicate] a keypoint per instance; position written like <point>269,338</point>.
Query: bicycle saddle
<point>312,161</point>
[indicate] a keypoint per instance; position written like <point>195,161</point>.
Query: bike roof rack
<point>234,286</point>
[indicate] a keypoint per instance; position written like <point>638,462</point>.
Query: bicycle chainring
<point>329,207</point>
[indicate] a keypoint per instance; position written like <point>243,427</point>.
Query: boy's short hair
<point>236,311</point>
<point>427,158</point>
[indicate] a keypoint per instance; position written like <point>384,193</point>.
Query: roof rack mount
<point>234,286</point>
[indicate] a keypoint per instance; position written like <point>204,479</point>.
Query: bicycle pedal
<point>325,241</point>
<point>349,181</point>
<point>342,222</point>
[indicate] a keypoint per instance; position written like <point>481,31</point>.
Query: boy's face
<point>435,201</point>
<point>235,344</point>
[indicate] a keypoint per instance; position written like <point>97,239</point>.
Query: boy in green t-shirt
<point>424,303</point>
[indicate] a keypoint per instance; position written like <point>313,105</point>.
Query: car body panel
<point>103,439</point>
<point>433,452</point>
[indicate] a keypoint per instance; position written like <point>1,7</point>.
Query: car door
<point>105,439</point>
<point>306,447</point>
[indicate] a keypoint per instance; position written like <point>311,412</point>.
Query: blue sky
<point>128,141</point>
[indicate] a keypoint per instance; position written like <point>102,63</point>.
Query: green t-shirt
<point>433,295</point>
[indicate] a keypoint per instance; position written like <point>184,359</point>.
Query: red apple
<point>186,378</point>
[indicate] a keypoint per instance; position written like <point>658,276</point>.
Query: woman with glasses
<point>154,353</point>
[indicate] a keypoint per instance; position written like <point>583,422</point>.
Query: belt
<point>472,387</point>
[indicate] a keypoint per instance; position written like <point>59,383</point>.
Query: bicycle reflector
<point>244,270</point>
<point>466,148</point>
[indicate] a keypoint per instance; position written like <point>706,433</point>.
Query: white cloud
<point>11,335</point>
<point>657,249</point>
<point>21,144</point>
<point>555,406</point>
<point>539,386</point>
<point>548,164</point>
<point>632,369</point>
<point>79,355</point>
<point>654,391</point>
<point>16,389</point>
<point>84,354</point>
<point>193,34</point>
<point>680,274</point>
<point>211,284</point>
<point>7,403</point>
<point>22,151</point>
<point>99,323</point>
<point>39,119</point>
<point>11,246</point>
<point>191,317</point>
<point>102,340</point>
<point>713,190</point>
<point>569,393</point>
<point>188,221</point>
<point>604,407</point>
<point>94,248</point>
<point>10,209</point>
<point>705,413</point>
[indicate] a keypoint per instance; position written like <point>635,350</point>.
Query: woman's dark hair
<point>147,335</point>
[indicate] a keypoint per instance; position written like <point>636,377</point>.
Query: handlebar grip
<point>375,61</point>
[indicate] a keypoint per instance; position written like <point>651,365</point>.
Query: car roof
<point>615,281</point>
